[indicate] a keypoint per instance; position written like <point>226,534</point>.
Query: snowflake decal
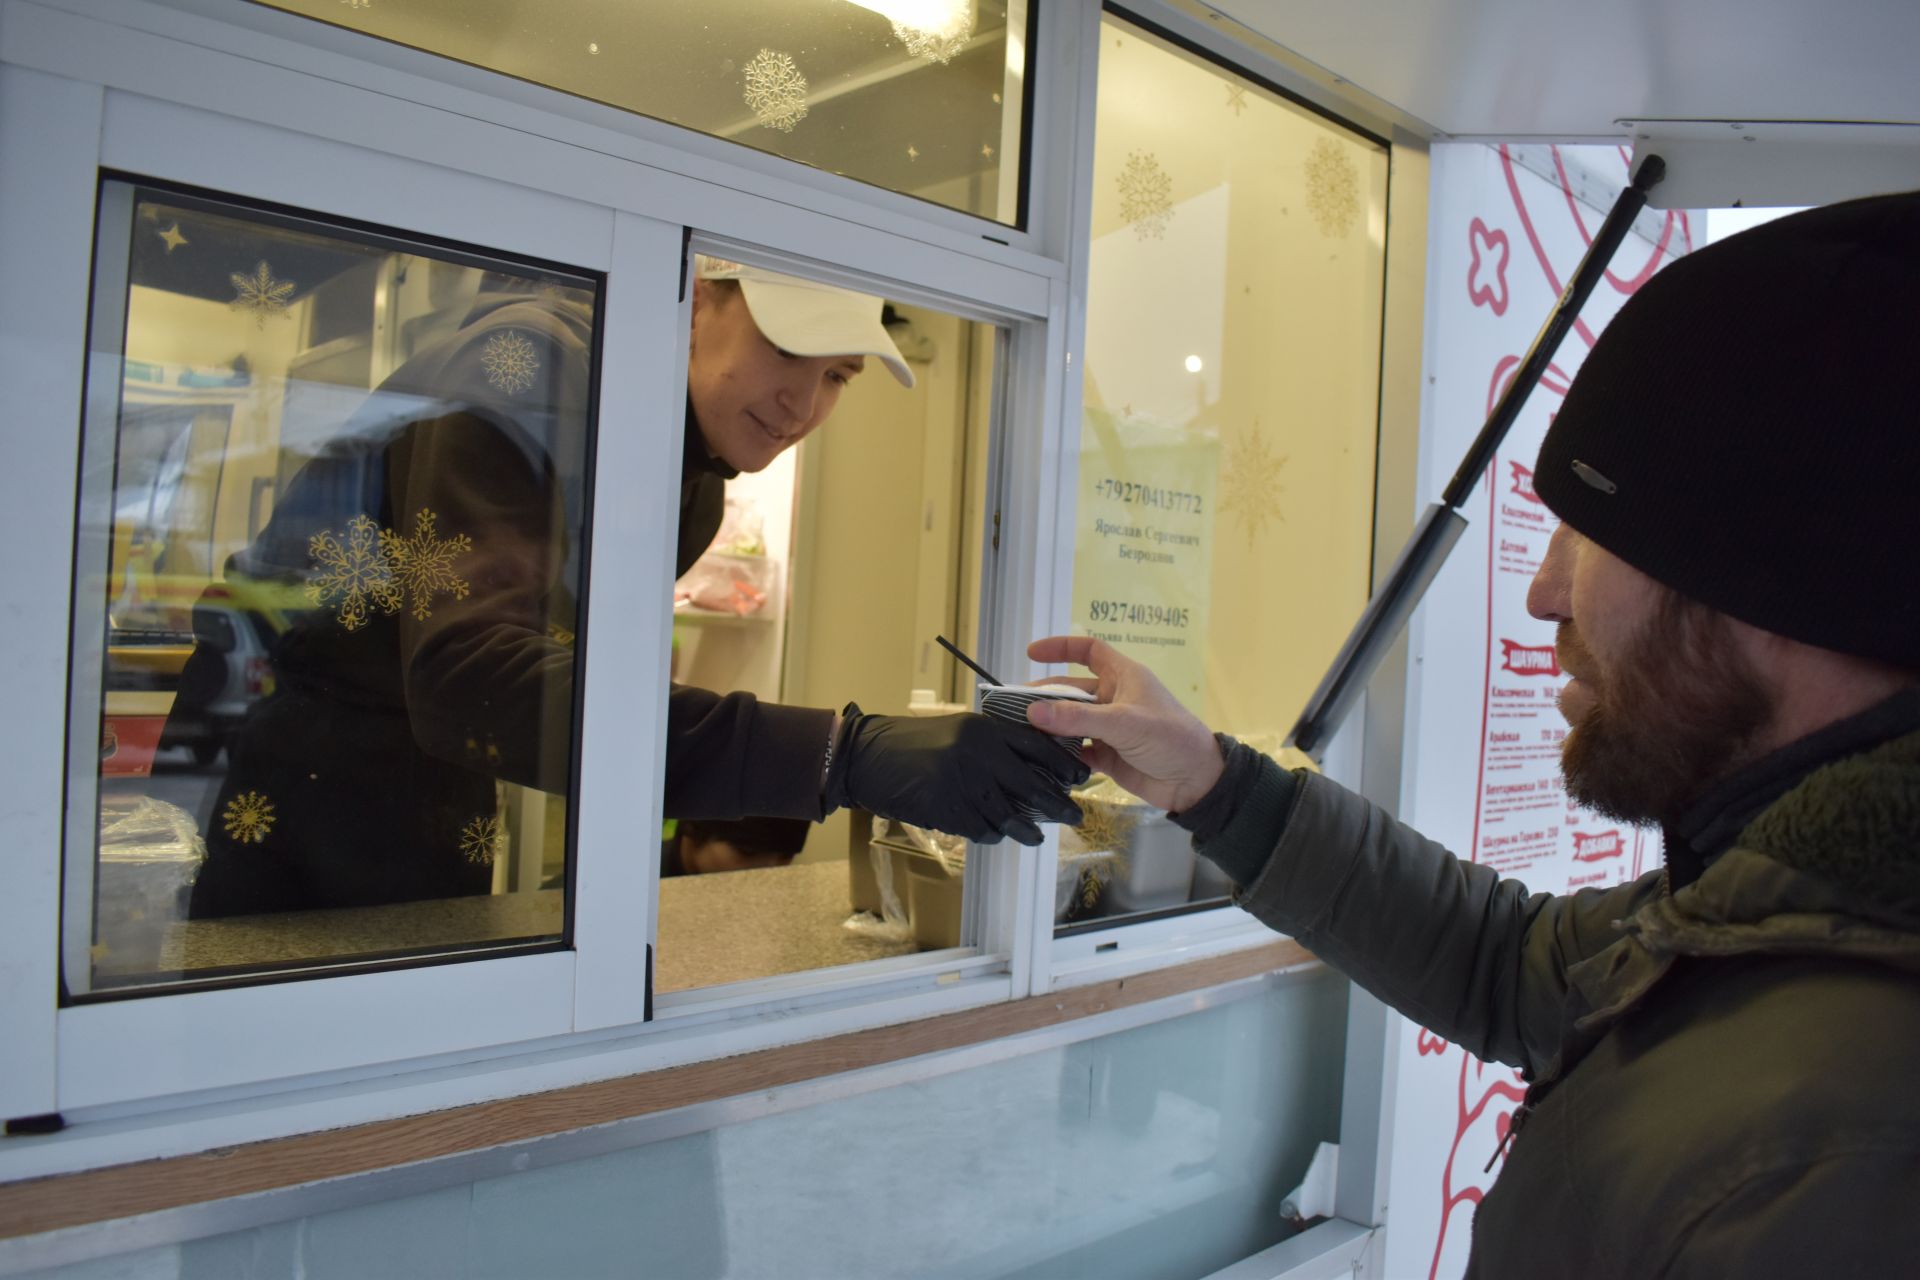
<point>1251,479</point>
<point>1333,188</point>
<point>249,817</point>
<point>260,293</point>
<point>352,575</point>
<point>483,840</point>
<point>776,92</point>
<point>937,44</point>
<point>1237,98</point>
<point>510,361</point>
<point>421,566</point>
<point>1146,195</point>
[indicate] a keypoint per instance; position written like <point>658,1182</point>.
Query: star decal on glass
<point>422,565</point>
<point>249,817</point>
<point>776,91</point>
<point>483,841</point>
<point>1146,195</point>
<point>1250,483</point>
<point>260,293</point>
<point>353,576</point>
<point>510,361</point>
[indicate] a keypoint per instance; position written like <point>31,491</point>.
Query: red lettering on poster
<point>1529,659</point>
<point>1593,846</point>
<point>1523,482</point>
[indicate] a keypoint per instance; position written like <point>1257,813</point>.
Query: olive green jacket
<point>1725,1079</point>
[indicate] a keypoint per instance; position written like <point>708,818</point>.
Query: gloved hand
<point>963,774</point>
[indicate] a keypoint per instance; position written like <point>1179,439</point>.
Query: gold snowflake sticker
<point>510,361</point>
<point>937,44</point>
<point>421,566</point>
<point>1333,188</point>
<point>353,575</point>
<point>1251,479</point>
<point>483,840</point>
<point>776,92</point>
<point>260,293</point>
<point>249,817</point>
<point>1146,195</point>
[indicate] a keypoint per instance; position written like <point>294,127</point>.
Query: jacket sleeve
<point>732,756</point>
<point>1450,944</point>
<point>488,686</point>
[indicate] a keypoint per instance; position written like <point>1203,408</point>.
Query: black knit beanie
<point>1747,429</point>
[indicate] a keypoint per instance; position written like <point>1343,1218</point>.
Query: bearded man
<point>1724,1056</point>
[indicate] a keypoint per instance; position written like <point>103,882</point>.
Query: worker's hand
<point>1143,738</point>
<point>964,774</point>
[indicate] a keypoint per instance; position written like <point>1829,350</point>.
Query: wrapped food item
<point>721,582</point>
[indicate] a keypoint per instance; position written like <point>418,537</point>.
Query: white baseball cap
<point>809,318</point>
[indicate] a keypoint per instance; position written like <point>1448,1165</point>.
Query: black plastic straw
<point>985,674</point>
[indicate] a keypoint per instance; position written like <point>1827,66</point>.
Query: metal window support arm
<point>1442,524</point>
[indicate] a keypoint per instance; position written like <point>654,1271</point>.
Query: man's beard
<point>1681,708</point>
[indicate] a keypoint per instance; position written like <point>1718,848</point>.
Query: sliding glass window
<point>1225,507</point>
<point>330,559</point>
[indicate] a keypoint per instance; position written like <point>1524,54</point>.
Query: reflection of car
<point>213,696</point>
<point>233,632</point>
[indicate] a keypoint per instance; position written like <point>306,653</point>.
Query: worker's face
<point>752,400</point>
<point>1663,700</point>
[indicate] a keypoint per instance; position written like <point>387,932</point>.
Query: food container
<point>1154,862</point>
<point>912,878</point>
<point>1081,878</point>
<point>935,893</point>
<point>150,855</point>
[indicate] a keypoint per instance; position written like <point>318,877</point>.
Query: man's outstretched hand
<point>1143,738</point>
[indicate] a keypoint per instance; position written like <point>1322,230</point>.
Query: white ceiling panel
<point>1555,69</point>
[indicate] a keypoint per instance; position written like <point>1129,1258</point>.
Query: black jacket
<point>420,578</point>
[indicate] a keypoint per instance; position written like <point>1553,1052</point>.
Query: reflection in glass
<point>919,96</point>
<point>1225,510</point>
<point>335,481</point>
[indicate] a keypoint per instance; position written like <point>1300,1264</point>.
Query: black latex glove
<point>963,774</point>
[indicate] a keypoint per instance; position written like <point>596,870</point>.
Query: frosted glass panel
<point>920,96</point>
<point>1158,1152</point>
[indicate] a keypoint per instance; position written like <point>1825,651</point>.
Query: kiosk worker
<point>1724,1056</point>
<point>436,536</point>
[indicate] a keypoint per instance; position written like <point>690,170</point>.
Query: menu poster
<point>1509,225</point>
<point>1143,549</point>
<point>1524,824</point>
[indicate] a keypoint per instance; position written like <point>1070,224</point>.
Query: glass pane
<point>1225,517</point>
<point>924,97</point>
<point>820,575</point>
<point>331,542</point>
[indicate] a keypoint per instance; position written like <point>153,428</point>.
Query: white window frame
<point>121,82</point>
<point>223,107</point>
<point>1137,946</point>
